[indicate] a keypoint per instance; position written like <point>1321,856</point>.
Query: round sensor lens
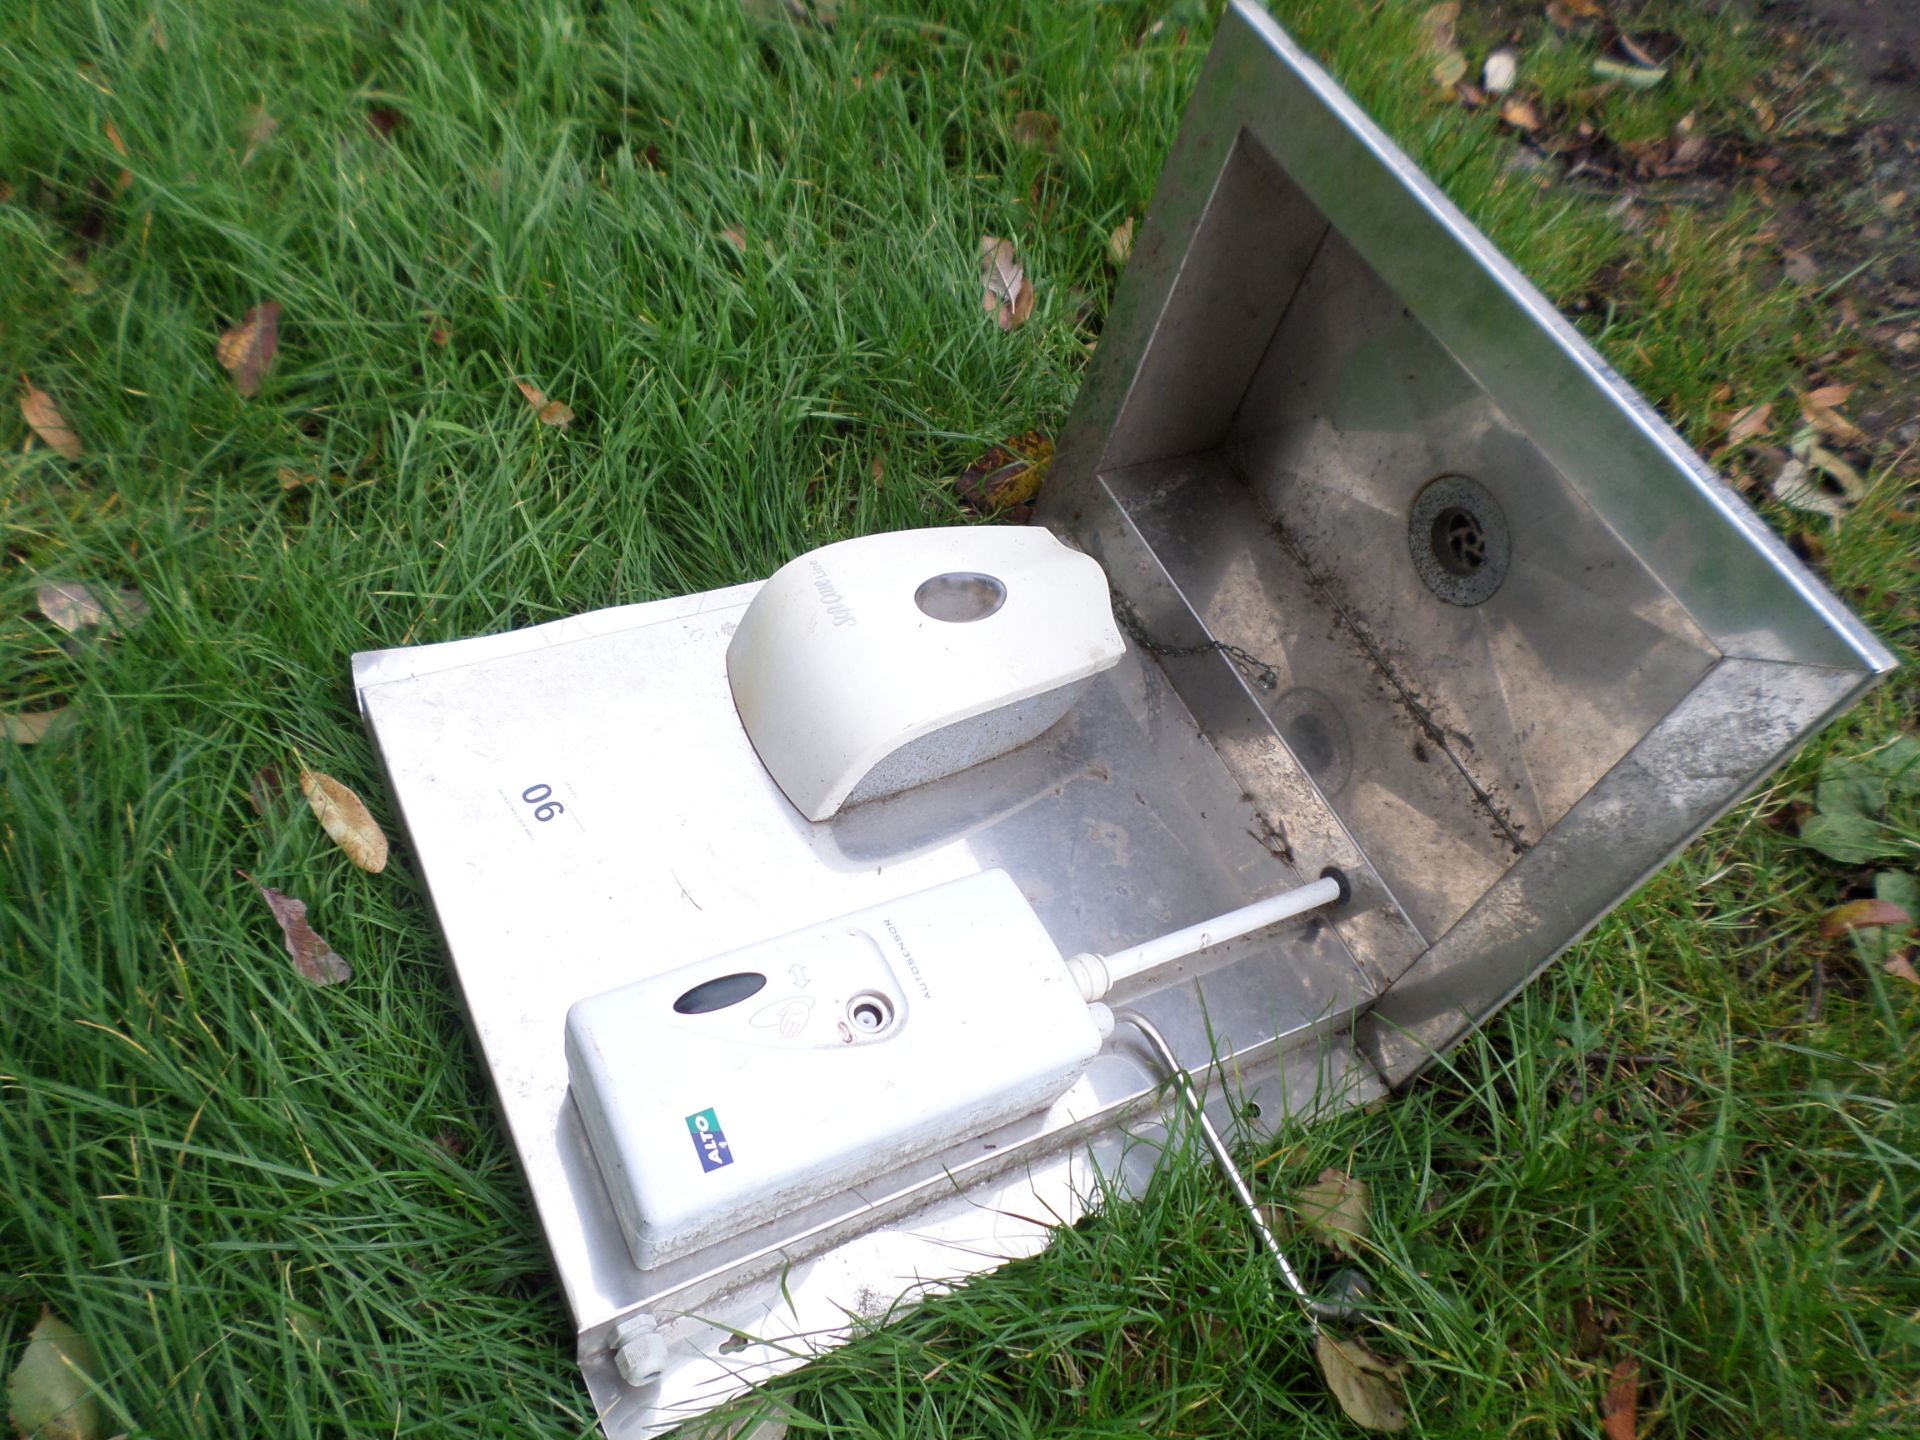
<point>960,596</point>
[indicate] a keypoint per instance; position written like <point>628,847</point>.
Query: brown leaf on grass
<point>383,120</point>
<point>1619,1417</point>
<point>1368,1388</point>
<point>878,469</point>
<point>266,789</point>
<point>119,148</point>
<point>260,128</point>
<point>30,727</point>
<point>1036,130</point>
<point>49,1394</point>
<point>1821,409</point>
<point>1449,70</point>
<point>346,820</point>
<point>1587,1337</point>
<point>551,412</point>
<point>736,237</point>
<point>248,349</point>
<point>1862,915</point>
<point>1009,294</point>
<point>1520,114</point>
<point>46,421</point>
<point>1901,968</point>
<point>1120,243</point>
<point>1333,1209</point>
<point>74,607</point>
<point>1749,422</point>
<point>312,956</point>
<point>1009,474</point>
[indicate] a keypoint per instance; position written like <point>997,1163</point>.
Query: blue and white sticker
<point>709,1140</point>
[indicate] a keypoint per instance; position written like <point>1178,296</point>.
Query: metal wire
<point>1316,1310</point>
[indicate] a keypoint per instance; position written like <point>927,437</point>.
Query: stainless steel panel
<point>1458,735</point>
<point>1745,718</point>
<point>1119,823</point>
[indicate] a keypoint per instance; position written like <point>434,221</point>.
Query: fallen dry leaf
<point>1631,74</point>
<point>1862,915</point>
<point>1451,66</point>
<point>1820,407</point>
<point>346,820</point>
<point>312,956</point>
<point>74,607</point>
<point>1368,1388</point>
<point>1036,130</point>
<point>1749,422</point>
<point>1009,294</point>
<point>1333,1209</point>
<point>125,177</point>
<point>1796,486</point>
<point>736,237</point>
<point>1120,243</point>
<point>49,1394</point>
<point>1901,968</point>
<point>1619,1417</point>
<point>266,789</point>
<point>30,727</point>
<point>260,128</point>
<point>1831,465</point>
<point>1520,114</point>
<point>248,349</point>
<point>551,412</point>
<point>46,421</point>
<point>1008,475</point>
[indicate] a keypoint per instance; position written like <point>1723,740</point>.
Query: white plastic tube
<point>1097,974</point>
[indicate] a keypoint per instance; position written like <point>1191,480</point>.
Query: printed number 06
<point>543,808</point>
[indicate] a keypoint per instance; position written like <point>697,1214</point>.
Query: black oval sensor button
<point>719,993</point>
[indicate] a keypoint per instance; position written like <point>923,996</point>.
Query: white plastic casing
<point>843,663</point>
<point>709,1123</point>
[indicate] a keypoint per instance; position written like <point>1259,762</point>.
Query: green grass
<point>289,1211</point>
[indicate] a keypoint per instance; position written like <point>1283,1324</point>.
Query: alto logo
<point>710,1140</point>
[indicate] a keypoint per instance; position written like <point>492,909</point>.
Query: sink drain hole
<point>1457,535</point>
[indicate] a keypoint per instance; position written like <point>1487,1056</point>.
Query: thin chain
<point>1251,666</point>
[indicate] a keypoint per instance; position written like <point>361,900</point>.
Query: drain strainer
<point>1457,534</point>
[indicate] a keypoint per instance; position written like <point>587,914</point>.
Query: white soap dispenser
<point>873,665</point>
